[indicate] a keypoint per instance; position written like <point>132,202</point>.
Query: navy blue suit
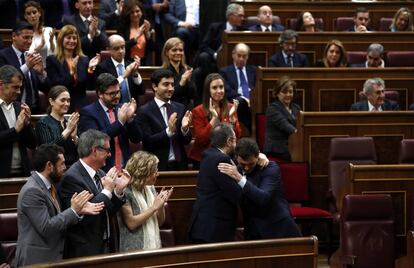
<point>107,10</point>
<point>154,136</point>
<point>107,66</point>
<point>93,116</point>
<point>214,215</point>
<point>275,28</point>
<point>386,106</point>
<point>266,212</point>
<point>177,12</point>
<point>277,60</point>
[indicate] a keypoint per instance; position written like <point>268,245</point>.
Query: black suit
<point>386,106</point>
<point>278,60</point>
<point>107,66</point>
<point>275,28</point>
<point>154,136</point>
<point>98,43</point>
<point>86,237</point>
<point>8,136</point>
<point>107,13</point>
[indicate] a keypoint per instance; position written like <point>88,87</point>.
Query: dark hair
<point>287,35</point>
<point>159,74</point>
<point>282,83</point>
<point>127,10</point>
<point>220,134</point>
<point>360,10</point>
<point>206,95</point>
<point>20,26</point>
<point>39,9</point>
<point>104,81</point>
<point>7,72</point>
<point>246,148</point>
<point>54,92</point>
<point>45,153</point>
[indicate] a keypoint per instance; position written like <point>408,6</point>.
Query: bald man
<point>126,71</point>
<point>239,81</point>
<point>265,18</point>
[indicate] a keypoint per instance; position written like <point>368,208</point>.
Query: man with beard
<point>288,57</point>
<point>41,222</point>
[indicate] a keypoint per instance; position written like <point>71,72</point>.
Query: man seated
<point>374,91</point>
<point>265,18</point>
<point>361,21</point>
<point>288,57</point>
<point>375,55</point>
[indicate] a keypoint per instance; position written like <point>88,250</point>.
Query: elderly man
<point>361,21</point>
<point>265,18</point>
<point>288,57</point>
<point>375,55</point>
<point>374,91</point>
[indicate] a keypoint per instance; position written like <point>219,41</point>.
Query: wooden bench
<point>292,252</point>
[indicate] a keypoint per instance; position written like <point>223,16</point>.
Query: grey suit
<point>41,227</point>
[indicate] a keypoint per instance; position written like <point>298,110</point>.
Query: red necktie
<point>118,152</point>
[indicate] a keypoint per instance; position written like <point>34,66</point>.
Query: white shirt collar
<point>159,102</point>
<point>229,27</point>
<point>17,51</point>
<point>7,106</point>
<point>90,170</point>
<point>116,63</point>
<point>45,181</point>
<point>84,18</point>
<point>264,27</point>
<point>371,107</point>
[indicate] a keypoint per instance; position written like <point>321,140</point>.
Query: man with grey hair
<point>92,234</point>
<point>375,55</point>
<point>374,91</point>
<point>288,57</point>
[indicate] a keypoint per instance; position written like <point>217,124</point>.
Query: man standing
<point>126,71</point>
<point>16,132</point>
<point>288,57</point>
<point>92,234</point>
<point>110,11</point>
<point>240,80</point>
<point>41,221</point>
<point>265,18</point>
<point>374,91</point>
<point>218,196</point>
<point>165,124</point>
<point>266,213</point>
<point>116,121</point>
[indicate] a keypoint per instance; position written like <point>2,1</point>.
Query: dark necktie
<point>27,84</point>
<point>54,195</point>
<point>243,83</point>
<point>173,141</point>
<point>124,87</point>
<point>290,60</point>
<point>99,186</point>
<point>87,23</point>
<point>267,29</point>
<point>98,182</point>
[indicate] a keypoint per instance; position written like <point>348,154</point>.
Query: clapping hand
<point>186,121</point>
<point>122,181</point>
<point>212,108</point>
<point>108,181</point>
<point>233,109</point>
<point>171,122</point>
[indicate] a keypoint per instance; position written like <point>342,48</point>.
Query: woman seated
<point>136,31</point>
<point>281,119</point>
<point>143,212</point>
<point>70,67</point>
<point>173,59</point>
<point>55,128</point>
<point>402,21</point>
<point>334,55</point>
<point>306,23</point>
<point>44,40</point>
<point>214,110</point>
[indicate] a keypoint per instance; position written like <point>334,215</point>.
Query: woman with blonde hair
<point>334,55</point>
<point>402,21</point>
<point>70,67</point>
<point>173,58</point>
<point>143,212</point>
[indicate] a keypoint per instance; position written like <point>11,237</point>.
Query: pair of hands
<point>215,111</point>
<point>143,29</point>
<point>133,67</point>
<point>161,6</point>
<point>127,111</point>
<point>186,76</point>
<point>81,205</point>
<point>162,197</point>
<point>72,126</point>
<point>185,122</point>
<point>116,180</point>
<point>23,119</point>
<point>43,41</point>
<point>93,26</point>
<point>34,61</point>
<point>232,171</point>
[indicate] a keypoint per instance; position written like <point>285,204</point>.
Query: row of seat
<point>392,58</point>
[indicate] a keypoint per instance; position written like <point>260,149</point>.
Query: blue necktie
<point>124,87</point>
<point>243,84</point>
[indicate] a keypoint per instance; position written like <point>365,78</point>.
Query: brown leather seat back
<point>406,152</point>
<point>8,234</point>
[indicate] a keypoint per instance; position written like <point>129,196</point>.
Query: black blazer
<point>107,10</point>
<point>275,28</point>
<point>214,215</point>
<point>229,74</point>
<point>107,66</point>
<point>386,106</point>
<point>154,137</point>
<point>277,60</point>
<point>93,116</point>
<point>86,237</point>
<point>8,136</point>
<point>98,43</point>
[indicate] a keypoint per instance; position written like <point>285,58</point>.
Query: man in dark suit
<point>288,57</point>
<point>91,29</point>
<point>126,71</point>
<point>92,234</point>
<point>265,18</point>
<point>42,223</point>
<point>266,213</point>
<point>240,80</point>
<point>218,195</point>
<point>116,121</point>
<point>165,124</point>
<point>374,91</point>
<point>361,21</point>
<point>16,132</point>
<point>110,11</point>
<point>30,64</point>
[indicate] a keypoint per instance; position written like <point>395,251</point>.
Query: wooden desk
<point>264,45</point>
<point>292,252</point>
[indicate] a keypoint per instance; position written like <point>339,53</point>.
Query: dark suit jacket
<point>275,28</point>
<point>93,116</point>
<point>215,210</point>
<point>9,57</point>
<point>277,60</point>
<point>386,106</point>
<point>98,43</point>
<point>266,212</point>
<point>107,66</point>
<point>229,74</point>
<point>86,237</point>
<point>411,107</point>
<point>279,125</point>
<point>25,138</point>
<point>107,10</point>
<point>176,12</point>
<point>154,137</point>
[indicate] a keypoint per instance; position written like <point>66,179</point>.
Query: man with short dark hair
<point>165,124</point>
<point>288,57</point>
<point>361,20</point>
<point>266,213</point>
<point>41,221</point>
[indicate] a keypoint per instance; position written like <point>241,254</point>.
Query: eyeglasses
<point>107,150</point>
<point>113,94</point>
